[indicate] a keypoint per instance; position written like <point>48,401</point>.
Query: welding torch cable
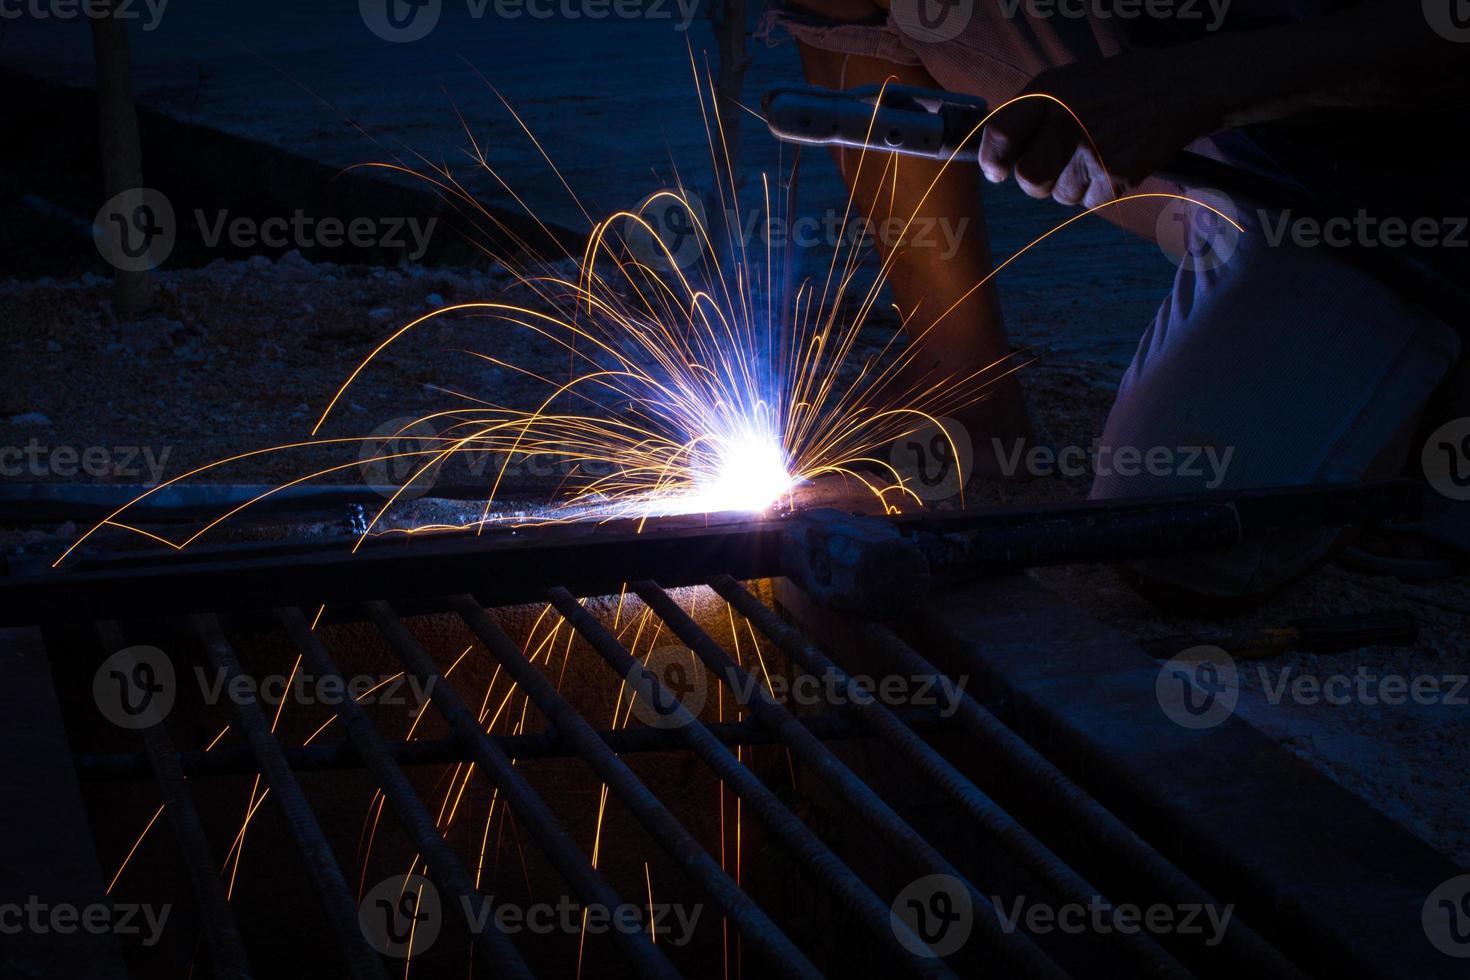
<point>781,955</point>
<point>491,943</point>
<point>338,905</point>
<point>221,931</point>
<point>1057,876</point>
<point>524,801</point>
<point>1014,946</point>
<point>849,888</point>
<point>1249,952</point>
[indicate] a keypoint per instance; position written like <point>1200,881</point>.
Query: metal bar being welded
<point>878,568</point>
<point>527,805</point>
<point>1241,946</point>
<point>222,934</point>
<point>337,902</point>
<point>502,568</point>
<point>491,944</point>
<point>1015,947</point>
<point>1055,874</point>
<point>849,889</point>
<point>334,756</point>
<point>781,955</point>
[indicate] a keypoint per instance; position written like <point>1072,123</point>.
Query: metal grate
<point>909,734</point>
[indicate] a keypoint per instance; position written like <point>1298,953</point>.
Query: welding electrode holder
<point>927,123</point>
<point>894,119</point>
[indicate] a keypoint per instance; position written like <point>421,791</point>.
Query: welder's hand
<point>1140,109</point>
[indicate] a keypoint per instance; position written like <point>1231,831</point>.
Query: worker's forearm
<point>1380,55</point>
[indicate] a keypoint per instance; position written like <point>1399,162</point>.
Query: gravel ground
<point>245,354</point>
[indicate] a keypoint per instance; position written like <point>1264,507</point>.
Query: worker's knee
<point>1267,367</point>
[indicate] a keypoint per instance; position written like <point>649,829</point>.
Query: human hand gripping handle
<point>1089,132</point>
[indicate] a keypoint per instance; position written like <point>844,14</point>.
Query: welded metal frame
<point>572,734</point>
<point>465,575</point>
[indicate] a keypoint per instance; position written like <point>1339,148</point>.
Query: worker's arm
<point>1143,107</point>
<point>933,279</point>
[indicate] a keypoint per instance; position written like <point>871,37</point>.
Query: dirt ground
<point>245,354</point>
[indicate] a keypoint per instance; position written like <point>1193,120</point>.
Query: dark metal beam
<point>504,566</point>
